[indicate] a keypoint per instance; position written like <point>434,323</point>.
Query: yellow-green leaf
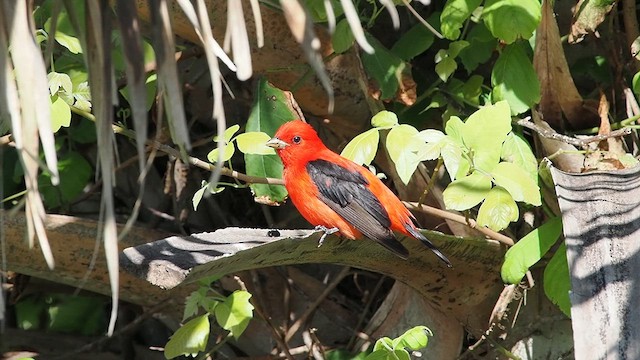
<point>403,145</point>
<point>517,182</point>
<point>253,142</point>
<point>190,339</point>
<point>467,192</point>
<point>529,250</point>
<point>384,119</point>
<point>498,210</point>
<point>362,148</point>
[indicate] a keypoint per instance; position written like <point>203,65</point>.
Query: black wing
<point>346,193</point>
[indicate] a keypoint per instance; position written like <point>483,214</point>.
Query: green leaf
<point>413,43</point>
<point>529,250</point>
<point>514,79</point>
<point>151,86</point>
<point>384,67</point>
<point>467,192</point>
<point>636,84</point>
<point>75,172</point>
<point>60,114</point>
<point>193,301</point>
<point>190,339</point>
<point>362,148</point>
<point>83,131</point>
<point>516,150</point>
<point>445,68</point>
<point>472,89</point>
<point>65,35</point>
<point>253,142</point>
<point>510,20</point>
<point>268,113</point>
<point>235,312</point>
<point>415,338</point>
<point>484,132</point>
<point>517,182</point>
<point>384,119</point>
<point>434,140</point>
<point>402,145</point>
<point>557,283</point>
<point>482,44</point>
<point>498,210</point>
<point>229,132</point>
<point>59,81</point>
<point>384,343</point>
<point>454,128</point>
<point>487,128</point>
<point>454,15</point>
<point>318,11</point>
<point>455,164</point>
<point>342,39</point>
<point>227,152</point>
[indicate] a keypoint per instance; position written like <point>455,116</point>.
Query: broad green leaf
<point>65,35</point>
<point>190,339</point>
<point>342,39</point>
<point>75,314</point>
<point>415,338</point>
<point>413,43</point>
<point>362,148</point>
<point>529,250</point>
<point>151,86</point>
<point>268,113</point>
<point>514,79</point>
<point>254,143</point>
<point>431,135</point>
<point>498,210</point>
<point>402,146</point>
<point>75,172</point>
<point>487,128</point>
<point>517,182</point>
<point>229,132</point>
<point>228,151</point>
<point>341,354</point>
<point>388,355</point>
<point>193,301</point>
<point>384,343</point>
<point>455,164</point>
<point>384,67</point>
<point>318,11</point>
<point>235,312</point>
<point>516,150</point>
<point>59,81</point>
<point>454,15</point>
<point>384,119</point>
<point>83,131</point>
<point>454,128</point>
<point>199,194</point>
<point>472,89</point>
<point>557,283</point>
<point>60,114</point>
<point>636,84</point>
<point>482,44</point>
<point>467,192</point>
<point>510,20</point>
<point>445,68</point>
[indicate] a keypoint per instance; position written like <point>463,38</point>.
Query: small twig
<point>460,219</point>
<point>312,307</point>
<point>552,134</point>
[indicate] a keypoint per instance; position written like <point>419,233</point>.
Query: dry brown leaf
<point>587,16</point>
<point>559,93</point>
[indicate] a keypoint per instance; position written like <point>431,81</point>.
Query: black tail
<point>418,235</point>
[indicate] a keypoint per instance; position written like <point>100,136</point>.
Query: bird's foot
<point>327,231</point>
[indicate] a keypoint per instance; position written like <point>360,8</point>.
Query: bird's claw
<point>327,231</point>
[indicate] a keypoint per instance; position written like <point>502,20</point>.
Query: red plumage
<point>332,191</point>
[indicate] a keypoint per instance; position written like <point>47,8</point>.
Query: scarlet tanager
<point>336,194</point>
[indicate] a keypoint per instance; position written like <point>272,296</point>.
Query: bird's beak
<point>276,143</point>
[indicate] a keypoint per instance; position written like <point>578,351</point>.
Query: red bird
<point>336,194</point>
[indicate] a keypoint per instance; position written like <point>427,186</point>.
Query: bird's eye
<point>296,139</point>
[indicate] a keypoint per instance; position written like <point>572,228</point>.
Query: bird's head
<point>296,141</point>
